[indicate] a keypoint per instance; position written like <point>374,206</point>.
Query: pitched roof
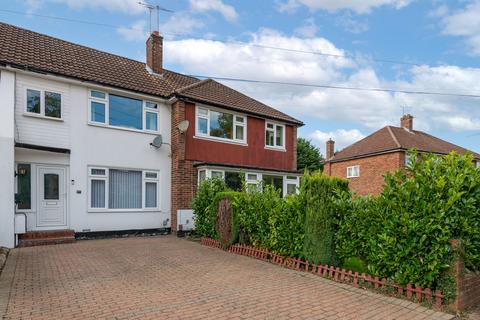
<point>25,49</point>
<point>212,92</point>
<point>389,139</point>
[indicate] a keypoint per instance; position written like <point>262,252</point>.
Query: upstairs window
<point>220,125</point>
<point>353,171</point>
<point>274,135</point>
<point>44,103</point>
<point>122,112</point>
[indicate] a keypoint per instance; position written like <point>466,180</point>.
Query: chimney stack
<point>155,52</point>
<point>330,149</point>
<point>406,122</point>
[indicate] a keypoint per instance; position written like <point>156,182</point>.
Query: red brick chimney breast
<point>155,52</point>
<point>406,122</point>
<point>330,149</point>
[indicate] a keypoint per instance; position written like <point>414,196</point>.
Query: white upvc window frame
<point>252,184</point>
<point>274,131</point>
<point>105,178</point>
<point>235,124</point>
<point>477,164</point>
<point>41,114</point>
<point>290,180</point>
<point>353,171</point>
<point>106,102</point>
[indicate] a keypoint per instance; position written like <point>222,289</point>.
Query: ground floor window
<point>235,178</point>
<point>123,189</point>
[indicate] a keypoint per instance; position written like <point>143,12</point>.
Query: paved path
<point>170,278</point>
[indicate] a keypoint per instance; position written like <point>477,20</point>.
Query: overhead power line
<point>235,42</point>
<point>324,86</point>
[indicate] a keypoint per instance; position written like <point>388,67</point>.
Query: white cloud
<point>464,23</point>
<point>308,30</point>
<point>180,23</point>
<point>343,138</point>
<point>358,6</point>
<point>367,109</point>
<point>228,11</point>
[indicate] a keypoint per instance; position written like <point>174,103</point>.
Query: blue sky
<point>218,38</point>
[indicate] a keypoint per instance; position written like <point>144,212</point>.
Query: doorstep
<point>47,237</point>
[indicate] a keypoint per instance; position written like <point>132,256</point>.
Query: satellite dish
<point>183,126</point>
<point>157,142</point>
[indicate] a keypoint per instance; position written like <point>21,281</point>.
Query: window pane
<point>33,101</point>
<point>269,137</point>
<point>251,176</point>
<point>98,172</point>
<point>50,187</point>
<point>151,105</point>
<point>279,138</point>
<point>97,196</point>
<point>98,112</point>
<point>233,180</point>
<point>24,186</point>
<point>221,125</point>
<point>239,119</point>
<point>151,175</point>
<point>217,174</point>
<point>239,133</point>
<point>151,121</point>
<point>202,175</point>
<point>203,112</point>
<point>291,188</point>
<point>202,125</point>
<point>151,195</point>
<point>97,94</point>
<point>125,189</point>
<point>276,181</point>
<point>125,112</point>
<point>53,104</point>
<point>269,126</point>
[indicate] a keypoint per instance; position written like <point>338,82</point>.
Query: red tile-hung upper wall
<point>254,155</point>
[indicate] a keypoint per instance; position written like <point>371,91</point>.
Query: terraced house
<point>91,141</point>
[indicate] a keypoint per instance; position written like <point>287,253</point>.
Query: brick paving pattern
<point>170,278</point>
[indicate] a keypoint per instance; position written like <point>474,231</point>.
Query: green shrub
<point>355,264</point>
<point>319,194</point>
<point>204,206</point>
<point>405,233</point>
<point>287,227</point>
<point>253,210</point>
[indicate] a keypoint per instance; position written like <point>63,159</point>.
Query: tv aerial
<point>151,8</point>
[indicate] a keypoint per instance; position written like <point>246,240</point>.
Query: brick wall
<point>372,170</point>
<point>184,175</point>
<point>467,283</point>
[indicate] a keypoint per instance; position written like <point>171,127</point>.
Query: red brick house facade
<point>365,162</point>
<point>198,155</point>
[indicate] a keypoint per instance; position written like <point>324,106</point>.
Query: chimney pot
<point>330,149</point>
<point>155,52</point>
<point>406,122</point>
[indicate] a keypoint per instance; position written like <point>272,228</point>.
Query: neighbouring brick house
<point>81,135</point>
<point>365,162</point>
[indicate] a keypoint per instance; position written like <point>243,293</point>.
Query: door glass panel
<point>24,186</point>
<point>51,186</point>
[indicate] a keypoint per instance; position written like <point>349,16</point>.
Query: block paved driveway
<point>170,278</point>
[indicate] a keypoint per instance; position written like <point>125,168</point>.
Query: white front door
<point>52,197</point>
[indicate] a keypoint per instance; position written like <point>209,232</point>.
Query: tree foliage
<point>308,156</point>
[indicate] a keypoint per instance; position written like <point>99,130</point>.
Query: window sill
<point>238,143</point>
<point>275,148</point>
<point>154,210</point>
<point>353,177</point>
<point>39,116</point>
<point>99,125</point>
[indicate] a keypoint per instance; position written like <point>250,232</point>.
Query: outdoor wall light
<point>21,172</point>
